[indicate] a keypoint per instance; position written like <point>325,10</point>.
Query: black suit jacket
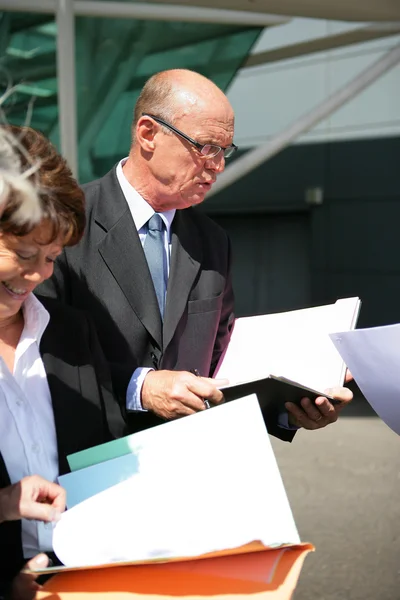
<point>107,274</point>
<point>85,410</point>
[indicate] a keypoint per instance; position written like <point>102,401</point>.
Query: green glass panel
<point>114,59</point>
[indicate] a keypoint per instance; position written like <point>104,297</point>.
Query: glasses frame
<point>200,147</point>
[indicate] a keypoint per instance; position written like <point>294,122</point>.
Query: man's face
<point>183,175</point>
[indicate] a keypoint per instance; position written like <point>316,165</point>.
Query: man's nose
<point>216,163</point>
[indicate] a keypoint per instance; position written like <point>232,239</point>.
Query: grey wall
<point>289,254</point>
<point>269,97</point>
<point>271,261</point>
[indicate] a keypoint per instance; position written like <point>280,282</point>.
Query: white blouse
<point>28,441</point>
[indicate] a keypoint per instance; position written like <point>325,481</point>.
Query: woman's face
<point>24,263</point>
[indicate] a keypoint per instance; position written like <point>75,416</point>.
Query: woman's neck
<point>10,333</point>
<point>11,321</point>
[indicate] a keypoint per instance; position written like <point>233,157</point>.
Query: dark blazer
<point>107,274</point>
<point>85,410</point>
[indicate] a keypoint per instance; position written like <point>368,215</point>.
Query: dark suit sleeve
<point>227,317</point>
<point>114,413</point>
<point>59,285</point>
<point>65,286</point>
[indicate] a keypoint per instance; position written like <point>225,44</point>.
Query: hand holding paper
<point>292,344</point>
<point>291,359</point>
<point>173,394</point>
<point>212,509</point>
<point>320,413</point>
<point>25,586</point>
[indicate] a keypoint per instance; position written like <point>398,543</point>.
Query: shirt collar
<point>36,319</point>
<point>140,209</point>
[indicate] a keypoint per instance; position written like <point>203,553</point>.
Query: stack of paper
<point>266,575</point>
<point>203,484</point>
<point>373,357</point>
<point>288,350</point>
<point>195,508</point>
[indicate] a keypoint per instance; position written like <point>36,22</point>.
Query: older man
<point>154,273</point>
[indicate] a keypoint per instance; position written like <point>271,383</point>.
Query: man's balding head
<point>176,93</point>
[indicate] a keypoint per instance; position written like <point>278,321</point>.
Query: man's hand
<point>32,498</point>
<point>173,394</point>
<point>24,585</point>
<point>318,414</point>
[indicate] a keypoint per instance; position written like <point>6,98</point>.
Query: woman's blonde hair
<point>17,181</point>
<point>61,200</point>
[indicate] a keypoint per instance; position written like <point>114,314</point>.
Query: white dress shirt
<point>28,441</point>
<point>141,213</point>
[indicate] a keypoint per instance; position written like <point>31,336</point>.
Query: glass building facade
<point>114,57</point>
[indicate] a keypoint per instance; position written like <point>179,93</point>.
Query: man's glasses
<point>206,150</point>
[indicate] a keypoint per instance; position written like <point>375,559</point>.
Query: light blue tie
<point>155,254</point>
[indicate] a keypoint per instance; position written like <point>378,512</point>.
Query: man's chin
<point>197,198</point>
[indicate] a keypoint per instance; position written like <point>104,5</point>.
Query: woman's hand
<point>24,585</point>
<point>32,498</point>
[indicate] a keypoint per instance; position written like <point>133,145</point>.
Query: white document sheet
<point>204,483</point>
<point>294,345</point>
<point>373,357</point>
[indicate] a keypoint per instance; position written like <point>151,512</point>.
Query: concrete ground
<point>343,484</point>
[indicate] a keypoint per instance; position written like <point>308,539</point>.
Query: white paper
<point>373,357</point>
<point>204,483</point>
<point>294,345</point>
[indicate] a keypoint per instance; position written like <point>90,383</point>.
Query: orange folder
<point>262,575</point>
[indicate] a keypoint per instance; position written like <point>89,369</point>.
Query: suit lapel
<point>186,257</point>
<point>121,250</point>
<point>123,254</point>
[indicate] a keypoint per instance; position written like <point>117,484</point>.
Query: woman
<point>55,391</point>
<point>31,498</point>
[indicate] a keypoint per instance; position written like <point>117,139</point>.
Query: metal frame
<point>358,35</point>
<point>254,158</point>
<point>149,12</point>
<point>67,83</point>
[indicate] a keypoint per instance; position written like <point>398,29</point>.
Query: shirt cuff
<point>283,421</point>
<point>134,391</point>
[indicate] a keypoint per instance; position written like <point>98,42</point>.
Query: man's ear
<point>146,130</point>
